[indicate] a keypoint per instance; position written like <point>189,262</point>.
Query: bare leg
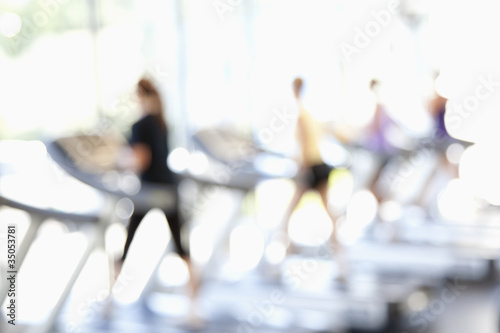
<point>193,320</point>
<point>299,192</point>
<point>323,192</point>
<point>373,184</point>
<point>450,167</point>
<point>339,255</point>
<point>441,163</point>
<point>194,280</point>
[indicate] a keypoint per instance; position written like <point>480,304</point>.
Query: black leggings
<point>174,222</point>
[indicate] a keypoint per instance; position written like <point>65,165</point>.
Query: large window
<point>47,77</point>
<point>69,65</point>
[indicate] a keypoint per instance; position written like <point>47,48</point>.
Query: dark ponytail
<point>146,89</point>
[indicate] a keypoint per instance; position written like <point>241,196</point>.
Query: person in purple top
<point>437,110</point>
<point>441,139</point>
<point>377,141</point>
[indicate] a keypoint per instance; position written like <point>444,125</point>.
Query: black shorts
<point>318,174</point>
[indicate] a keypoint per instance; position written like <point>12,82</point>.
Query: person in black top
<point>150,132</point>
<point>149,143</point>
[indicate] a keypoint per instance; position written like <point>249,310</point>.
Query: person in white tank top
<point>314,171</point>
